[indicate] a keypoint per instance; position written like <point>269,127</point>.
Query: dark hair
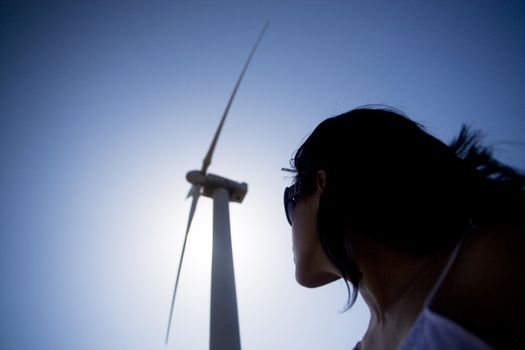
<point>389,180</point>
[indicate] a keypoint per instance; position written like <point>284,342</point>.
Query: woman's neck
<point>394,285</point>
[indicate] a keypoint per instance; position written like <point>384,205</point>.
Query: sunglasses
<point>290,199</point>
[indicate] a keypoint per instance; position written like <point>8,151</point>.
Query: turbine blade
<point>207,160</point>
<point>194,189</point>
<point>195,192</point>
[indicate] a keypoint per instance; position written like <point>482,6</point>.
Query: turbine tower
<point>224,323</point>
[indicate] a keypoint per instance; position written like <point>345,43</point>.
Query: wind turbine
<point>224,323</point>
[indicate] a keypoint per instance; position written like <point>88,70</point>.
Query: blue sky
<point>104,107</point>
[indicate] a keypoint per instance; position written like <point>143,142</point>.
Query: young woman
<point>431,235</point>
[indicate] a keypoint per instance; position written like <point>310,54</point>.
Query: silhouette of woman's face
<point>312,266</point>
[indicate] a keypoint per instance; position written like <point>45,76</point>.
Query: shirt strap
<point>447,267</point>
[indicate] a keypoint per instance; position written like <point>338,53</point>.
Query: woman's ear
<point>321,180</point>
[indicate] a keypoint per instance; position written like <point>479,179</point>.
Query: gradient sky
<point>104,107</point>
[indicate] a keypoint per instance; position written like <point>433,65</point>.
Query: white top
<point>432,331</point>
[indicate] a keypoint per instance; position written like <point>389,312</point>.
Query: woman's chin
<point>315,279</point>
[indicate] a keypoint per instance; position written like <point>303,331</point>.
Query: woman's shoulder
<point>483,290</point>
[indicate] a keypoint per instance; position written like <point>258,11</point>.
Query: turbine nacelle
<point>211,182</point>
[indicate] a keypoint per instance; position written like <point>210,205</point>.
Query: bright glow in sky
<point>104,107</point>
